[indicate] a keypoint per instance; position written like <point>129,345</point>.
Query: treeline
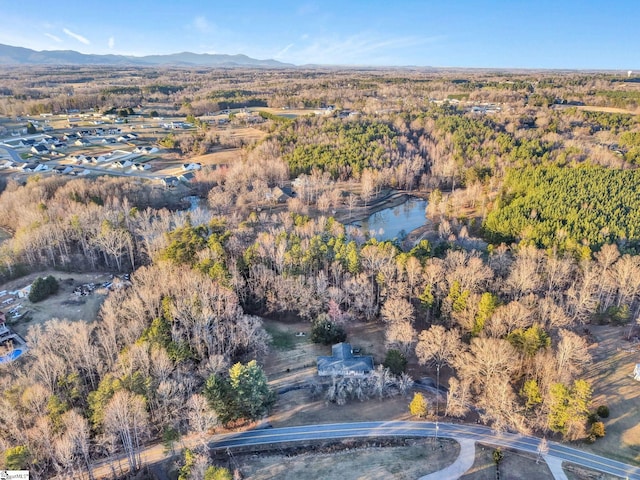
<point>88,389</point>
<point>158,359</point>
<point>570,209</point>
<point>345,149</point>
<point>105,223</point>
<point>512,320</point>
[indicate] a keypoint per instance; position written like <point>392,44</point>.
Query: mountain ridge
<point>12,55</point>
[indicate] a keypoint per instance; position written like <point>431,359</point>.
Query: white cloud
<point>359,49</point>
<point>283,51</point>
<point>201,24</point>
<point>77,37</point>
<point>53,37</point>
<point>111,42</point>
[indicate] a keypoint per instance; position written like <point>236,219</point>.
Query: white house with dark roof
<point>39,149</point>
<point>191,166</point>
<point>62,169</point>
<point>344,363</point>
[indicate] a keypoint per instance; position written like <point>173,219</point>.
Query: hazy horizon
<point>501,34</point>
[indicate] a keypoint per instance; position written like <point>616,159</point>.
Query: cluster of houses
<point>473,107</point>
<point>53,146</point>
<point>176,125</point>
<point>8,300</point>
<point>75,151</point>
<point>485,108</point>
<point>44,145</point>
<point>91,159</point>
<point>10,342</point>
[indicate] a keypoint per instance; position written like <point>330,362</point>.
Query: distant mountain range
<point>10,55</point>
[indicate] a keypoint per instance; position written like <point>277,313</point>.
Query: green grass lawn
<point>280,340</point>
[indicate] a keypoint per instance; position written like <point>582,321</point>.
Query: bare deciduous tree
<point>125,419</point>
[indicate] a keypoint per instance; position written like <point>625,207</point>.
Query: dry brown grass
<point>247,133</point>
<point>221,157</point>
<point>64,304</point>
<point>589,108</point>
<point>296,407</point>
<point>373,463</point>
<point>291,111</point>
<point>575,472</point>
<point>611,376</point>
<point>514,466</point>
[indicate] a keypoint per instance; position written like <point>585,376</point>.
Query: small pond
<point>395,222</point>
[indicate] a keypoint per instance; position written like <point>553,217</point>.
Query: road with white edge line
<point>424,429</point>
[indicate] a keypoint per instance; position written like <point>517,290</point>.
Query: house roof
<point>170,181</point>
<point>344,362</point>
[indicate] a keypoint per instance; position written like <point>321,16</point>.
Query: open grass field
<point>371,463</point>
<point>612,378</point>
<point>590,108</point>
<point>224,156</point>
<point>248,133</point>
<point>514,466</point>
<point>575,472</point>
<point>290,112</point>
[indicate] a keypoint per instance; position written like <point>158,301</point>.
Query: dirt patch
<point>296,408</point>
<point>514,466</point>
<point>410,461</point>
<point>225,156</point>
<point>64,304</point>
<point>611,376</point>
<point>246,133</point>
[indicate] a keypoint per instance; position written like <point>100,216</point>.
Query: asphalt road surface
<point>12,153</point>
<point>424,429</point>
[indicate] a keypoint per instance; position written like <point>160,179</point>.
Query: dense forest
<point>533,209</point>
<point>585,206</point>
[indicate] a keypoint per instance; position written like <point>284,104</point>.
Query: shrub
<point>326,332</point>
<point>603,411</point>
<point>217,473</point>
<point>497,456</point>
<point>597,430</point>
<point>395,361</point>
<point>17,458</point>
<point>418,405</point>
<point>42,288</point>
<point>593,418</point>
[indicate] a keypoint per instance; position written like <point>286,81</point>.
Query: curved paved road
<point>424,429</point>
<point>462,464</point>
<point>12,153</point>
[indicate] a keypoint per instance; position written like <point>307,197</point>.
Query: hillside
<point>10,55</point>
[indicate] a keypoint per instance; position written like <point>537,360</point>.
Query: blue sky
<point>587,34</point>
